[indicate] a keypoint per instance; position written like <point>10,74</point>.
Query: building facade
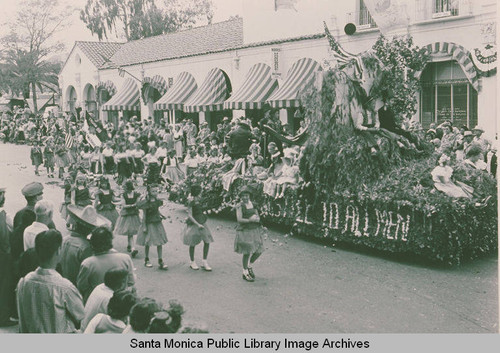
<point>270,53</point>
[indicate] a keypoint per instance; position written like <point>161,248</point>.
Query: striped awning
<point>461,55</point>
<point>157,82</point>
<point>211,94</point>
<point>126,99</point>
<point>256,89</point>
<point>184,86</point>
<point>300,74</point>
<point>108,86</point>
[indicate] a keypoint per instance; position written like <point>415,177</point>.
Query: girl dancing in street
<point>129,222</point>
<point>152,233</point>
<point>196,229</point>
<point>248,239</point>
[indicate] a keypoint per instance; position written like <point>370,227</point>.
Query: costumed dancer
<point>36,156</point>
<point>129,222</point>
<point>80,195</point>
<point>61,158</point>
<point>170,170</point>
<point>48,156</point>
<point>151,232</point>
<point>138,155</point>
<point>96,162</point>
<point>248,241</point>
<point>153,171</point>
<point>86,158</point>
<point>196,229</point>
<point>104,201</point>
<point>124,164</point>
<point>109,161</point>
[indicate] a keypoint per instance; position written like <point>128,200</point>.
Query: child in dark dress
<point>104,201</point>
<point>152,232</point>
<point>36,156</point>
<point>129,222</point>
<point>196,229</point>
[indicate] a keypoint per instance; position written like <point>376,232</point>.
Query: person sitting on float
<point>201,155</point>
<point>481,141</point>
<point>290,173</point>
<point>213,157</point>
<point>255,158</point>
<point>474,158</point>
<point>448,139</point>
<point>191,161</point>
<point>274,171</point>
<point>442,178</point>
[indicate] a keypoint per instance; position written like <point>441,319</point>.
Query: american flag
<point>69,140</point>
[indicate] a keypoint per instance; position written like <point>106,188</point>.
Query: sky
<point>76,30</point>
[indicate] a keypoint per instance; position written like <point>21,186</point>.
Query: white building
<point>275,49</point>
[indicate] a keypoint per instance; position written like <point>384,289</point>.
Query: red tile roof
<point>98,52</point>
<point>200,40</point>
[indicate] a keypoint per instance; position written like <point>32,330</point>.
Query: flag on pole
<point>97,126</point>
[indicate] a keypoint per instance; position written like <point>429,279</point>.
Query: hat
<point>225,118</point>
<point>32,189</point>
<point>245,190</point>
<point>431,131</point>
<point>478,127</point>
<point>468,133</point>
<point>89,216</point>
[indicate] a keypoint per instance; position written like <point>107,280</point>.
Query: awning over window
<point>183,88</point>
<point>211,94</point>
<point>127,98</point>
<point>257,88</point>
<point>300,74</point>
<point>460,54</point>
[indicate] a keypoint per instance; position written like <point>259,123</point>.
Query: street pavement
<point>301,286</point>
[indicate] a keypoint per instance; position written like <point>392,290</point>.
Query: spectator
<point>141,315</point>
<point>76,247</point>
<point>114,280</point>
<point>47,302</point>
<point>94,268</point>
<point>118,310</point>
<point>43,211</point>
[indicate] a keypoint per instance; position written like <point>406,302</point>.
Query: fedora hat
<point>88,215</point>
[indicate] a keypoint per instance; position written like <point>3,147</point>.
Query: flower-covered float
<point>361,184</point>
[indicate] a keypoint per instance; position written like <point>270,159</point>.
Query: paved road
<point>302,286</point>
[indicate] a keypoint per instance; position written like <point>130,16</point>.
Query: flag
<point>69,140</point>
<point>97,126</point>
<point>389,15</point>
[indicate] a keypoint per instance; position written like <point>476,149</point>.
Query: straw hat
<point>88,215</point>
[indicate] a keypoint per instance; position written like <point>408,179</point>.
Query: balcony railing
<point>436,9</point>
<point>362,19</point>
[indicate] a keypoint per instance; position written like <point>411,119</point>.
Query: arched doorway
<point>71,98</point>
<point>90,100</point>
<point>153,88</point>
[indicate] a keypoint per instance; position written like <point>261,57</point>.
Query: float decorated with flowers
<point>348,180</point>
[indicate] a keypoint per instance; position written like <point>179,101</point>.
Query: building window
<point>448,7</point>
<point>365,19</point>
<point>447,95</point>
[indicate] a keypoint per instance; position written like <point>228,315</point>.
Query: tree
<point>25,55</point>
<point>143,18</point>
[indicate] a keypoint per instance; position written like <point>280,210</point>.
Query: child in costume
<point>152,232</point>
<point>129,222</point>
<point>196,229</point>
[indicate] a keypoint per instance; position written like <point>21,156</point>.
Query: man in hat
<point>105,258</point>
<point>481,141</point>
<point>204,134</point>
<point>33,192</point>
<point>76,247</point>
<point>47,302</point>
<point>7,285</point>
<point>240,140</point>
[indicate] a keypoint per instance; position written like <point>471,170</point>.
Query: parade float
<point>379,196</point>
